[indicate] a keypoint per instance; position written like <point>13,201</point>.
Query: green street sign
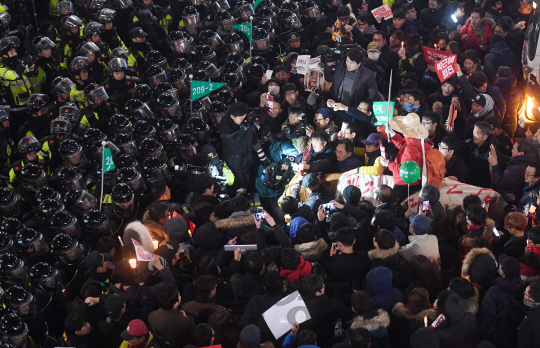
<point>257,3</point>
<point>244,28</point>
<point>108,163</point>
<point>201,88</point>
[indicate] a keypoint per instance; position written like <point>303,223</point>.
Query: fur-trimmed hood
<point>403,312</point>
<point>467,262</point>
<point>152,225</point>
<point>380,321</point>
<point>312,251</point>
<point>237,224</point>
<point>140,233</point>
<point>491,22</point>
<point>469,241</point>
<point>383,253</point>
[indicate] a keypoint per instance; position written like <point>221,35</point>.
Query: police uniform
<point>120,91</point>
<point>50,150</point>
<point>7,144</point>
<point>17,87</point>
<point>47,71</point>
<point>96,117</point>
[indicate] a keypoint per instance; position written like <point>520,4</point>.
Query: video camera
<point>299,130</point>
<point>329,55</point>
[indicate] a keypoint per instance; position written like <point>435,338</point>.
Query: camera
<point>329,55</point>
<point>299,130</point>
<point>260,216</point>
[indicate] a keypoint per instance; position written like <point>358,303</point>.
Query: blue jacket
<point>290,340</point>
<point>530,195</point>
<point>383,295</point>
<point>348,163</point>
<point>500,55</point>
<point>278,152</point>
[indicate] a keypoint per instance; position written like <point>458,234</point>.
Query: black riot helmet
<point>168,131</point>
<point>6,244</point>
<point>169,106</point>
<point>211,38</point>
<point>138,110</point>
<point>195,109</point>
<point>155,74</point>
<point>142,130</point>
<point>200,75</point>
<point>46,277</point>
<point>133,178</point>
<point>192,20</point>
<point>288,20</point>
<point>70,112</point>
<point>14,331</point>
<point>217,111</point>
<point>64,222</point>
<point>244,10</point>
<point>234,67</point>
<point>118,52</point>
<point>310,9</point>
<point>150,147</point>
<point>62,86</point>
<point>234,43</point>
<point>47,192</point>
<point>126,144</point>
<point>178,78</point>
<point>11,226</point>
<point>33,176</point>
<point>143,92</point>
<point>233,81</point>
<point>119,123</point>
<point>219,5</point>
<point>266,25</point>
<point>123,200</point>
<point>206,52</point>
<point>28,144</point>
<point>125,161</point>
<point>31,242</point>
<point>183,64</point>
<point>13,269</point>
<point>21,301</point>
<point>236,57</point>
<point>225,96</point>
<point>255,72</point>
<point>95,94</point>
<point>117,65</point>
<point>267,14</point>
<point>187,146</point>
<point>70,179</point>
<point>36,102</point>
<point>10,203</point>
<point>198,129</point>
<point>94,135</point>
<point>68,250</point>
<point>209,68</point>
<point>224,20</point>
<point>261,40</point>
<point>178,41</point>
<point>155,169</point>
<point>79,200</point>
<point>48,208</point>
<point>96,222</point>
<point>165,87</point>
<point>60,126</point>
<point>156,58</point>
<point>72,153</point>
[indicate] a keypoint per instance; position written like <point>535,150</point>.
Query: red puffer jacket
<point>410,149</point>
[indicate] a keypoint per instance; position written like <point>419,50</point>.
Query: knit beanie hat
<point>250,336</point>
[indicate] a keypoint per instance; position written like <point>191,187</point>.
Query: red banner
<point>445,68</point>
<point>381,12</point>
<point>433,55</point>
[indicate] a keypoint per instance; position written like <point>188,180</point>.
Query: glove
<point>384,161</point>
<point>312,99</point>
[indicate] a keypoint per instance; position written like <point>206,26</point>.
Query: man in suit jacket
<point>352,83</point>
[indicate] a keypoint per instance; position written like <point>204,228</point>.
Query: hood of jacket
<point>500,48</point>
<point>312,251</point>
<point>469,259</point>
<point>473,300</point>
<point>383,253</point>
<point>400,310</point>
<point>468,239</point>
<point>380,321</point>
<point>139,232</point>
<point>152,225</point>
<point>303,269</point>
<point>507,85</point>
<point>452,306</point>
<point>239,219</point>
<point>379,281</point>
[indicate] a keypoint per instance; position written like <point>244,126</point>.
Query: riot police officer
<point>79,71</point>
<point>99,110</point>
<point>39,121</point>
<point>7,142</point>
<point>45,63</point>
<point>10,206</point>
<point>118,85</point>
<point>70,39</point>
<point>28,148</point>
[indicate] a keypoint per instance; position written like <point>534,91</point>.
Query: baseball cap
<point>211,152</point>
<point>135,328</point>
<point>420,223</point>
<point>372,139</point>
<point>373,46</point>
<point>493,122</point>
<point>95,260</point>
<point>480,100</point>
<point>114,305</point>
<point>288,87</point>
<point>292,36</point>
<point>310,180</point>
<point>137,32</point>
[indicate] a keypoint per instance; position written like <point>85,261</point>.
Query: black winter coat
<point>508,177</point>
<point>500,55</point>
<point>529,335</point>
<point>236,145</point>
<point>322,162</point>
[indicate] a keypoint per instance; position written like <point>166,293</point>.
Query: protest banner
<point>445,68</point>
<point>432,55</point>
<point>381,12</point>
<point>383,112</point>
<point>141,252</point>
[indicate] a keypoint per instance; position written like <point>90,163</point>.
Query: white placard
<point>141,252</point>
<point>302,64</point>
<point>289,310</point>
<point>269,74</point>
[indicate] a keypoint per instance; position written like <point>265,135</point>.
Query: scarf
<point>487,108</point>
<point>303,269</point>
<point>475,228</point>
<point>416,305</point>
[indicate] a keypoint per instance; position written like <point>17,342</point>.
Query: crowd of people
<point>135,214</point>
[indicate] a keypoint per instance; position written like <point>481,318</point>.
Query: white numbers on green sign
<point>202,89</point>
<point>108,161</point>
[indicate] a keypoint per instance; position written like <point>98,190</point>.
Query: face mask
<point>273,90</point>
<point>374,55</point>
<point>11,62</point>
<point>411,107</point>
<point>530,304</point>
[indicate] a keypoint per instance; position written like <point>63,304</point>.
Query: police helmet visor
<point>237,46</point>
<point>97,96</point>
<point>129,148</point>
<point>38,182</point>
<point>118,64</point>
<point>71,113</point>
<point>63,87</point>
<point>106,15</point>
<point>13,208</point>
<point>192,22</point>
<point>17,340</point>
<point>142,113</point>
<point>219,5</point>
<point>245,11</point>
<point>38,247</point>
<point>313,12</point>
<point>44,44</point>
<point>85,202</point>
<point>75,183</point>
<point>65,7</point>
<point>17,274</point>
<point>171,134</point>
<point>156,79</point>
<point>73,255</point>
<point>53,283</point>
